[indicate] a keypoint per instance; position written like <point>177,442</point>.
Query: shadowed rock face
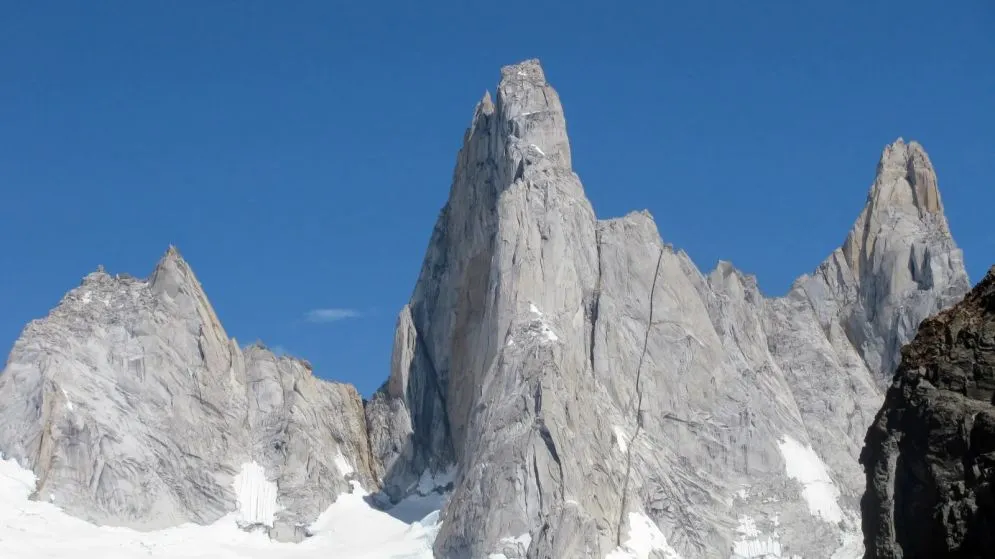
<point>583,380</point>
<point>930,454</point>
<point>134,408</point>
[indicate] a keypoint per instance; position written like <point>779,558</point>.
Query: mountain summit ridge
<point>134,408</point>
<point>642,339</point>
<point>572,381</point>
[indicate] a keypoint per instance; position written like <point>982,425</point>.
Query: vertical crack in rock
<point>639,405</point>
<point>433,377</point>
<point>535,472</point>
<point>547,439</point>
<point>595,299</point>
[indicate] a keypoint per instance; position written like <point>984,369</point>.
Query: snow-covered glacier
<point>351,528</point>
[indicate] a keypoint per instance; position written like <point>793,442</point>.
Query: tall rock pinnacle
<point>904,195</point>
<point>531,115</point>
<point>901,257</point>
<point>174,281</point>
<point>514,250</point>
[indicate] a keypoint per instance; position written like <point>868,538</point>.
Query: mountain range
<point>574,387</point>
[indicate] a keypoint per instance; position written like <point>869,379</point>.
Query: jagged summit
<point>530,69</point>
<point>575,383</point>
<point>134,408</point>
<point>906,182</point>
<point>530,116</point>
<point>899,263</point>
<point>171,271</point>
<point>540,341</point>
<point>906,178</point>
<point>171,258</point>
<point>486,104</point>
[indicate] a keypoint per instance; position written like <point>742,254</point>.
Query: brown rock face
<point>929,457</point>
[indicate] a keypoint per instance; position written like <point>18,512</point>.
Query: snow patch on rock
<point>519,547</point>
<point>753,544</point>
<point>256,496</point>
<point>69,403</point>
<point>343,465</point>
<point>804,465</point>
<point>539,327</point>
<point>434,482</point>
<point>621,439</point>
<point>644,538</point>
<point>852,546</point>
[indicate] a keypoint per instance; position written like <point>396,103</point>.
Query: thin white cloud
<point>331,315</point>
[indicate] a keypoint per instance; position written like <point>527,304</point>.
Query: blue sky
<point>298,153</point>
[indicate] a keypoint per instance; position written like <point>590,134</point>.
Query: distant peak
<point>529,69</point>
<point>903,205</point>
<point>906,179</point>
<point>900,154</point>
<point>531,113</point>
<point>97,276</point>
<point>171,272</point>
<point>172,254</point>
<point>724,267</point>
<point>485,106</point>
<point>524,89</point>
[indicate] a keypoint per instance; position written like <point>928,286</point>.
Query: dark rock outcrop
<point>930,454</point>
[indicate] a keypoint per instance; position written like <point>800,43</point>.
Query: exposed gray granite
<point>581,376</point>
<point>134,408</point>
<point>574,382</point>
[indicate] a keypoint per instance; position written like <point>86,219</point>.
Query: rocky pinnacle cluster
<point>570,380</point>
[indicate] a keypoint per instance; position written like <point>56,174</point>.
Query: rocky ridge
<point>930,453</point>
<point>574,382</point>
<point>134,408</point>
<point>584,380</point>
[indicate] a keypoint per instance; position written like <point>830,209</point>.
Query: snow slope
<point>804,465</point>
<point>349,529</point>
<point>645,539</point>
